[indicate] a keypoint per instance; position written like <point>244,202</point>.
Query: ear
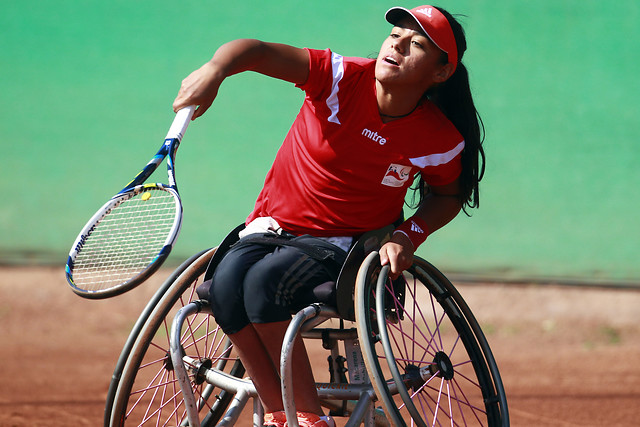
<point>444,73</point>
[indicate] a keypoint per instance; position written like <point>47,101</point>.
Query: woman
<point>365,130</point>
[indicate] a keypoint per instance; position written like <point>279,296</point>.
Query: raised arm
<point>272,59</point>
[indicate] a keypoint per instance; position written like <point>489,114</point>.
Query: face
<point>408,58</point>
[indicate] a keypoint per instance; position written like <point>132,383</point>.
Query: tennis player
<point>367,130</point>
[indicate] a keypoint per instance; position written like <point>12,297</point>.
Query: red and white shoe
<point>308,419</point>
<point>275,419</point>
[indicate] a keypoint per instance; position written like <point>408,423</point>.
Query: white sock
<point>329,420</point>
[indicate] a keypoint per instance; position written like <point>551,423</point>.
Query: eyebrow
<point>405,27</point>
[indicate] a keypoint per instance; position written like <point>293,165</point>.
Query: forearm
<point>436,210</point>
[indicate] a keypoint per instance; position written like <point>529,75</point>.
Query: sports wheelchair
<point>414,354</point>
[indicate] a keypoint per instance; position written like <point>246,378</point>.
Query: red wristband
<point>415,229</point>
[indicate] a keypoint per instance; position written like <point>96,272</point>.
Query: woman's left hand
<point>398,254</point>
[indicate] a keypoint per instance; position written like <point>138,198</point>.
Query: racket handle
<point>180,123</point>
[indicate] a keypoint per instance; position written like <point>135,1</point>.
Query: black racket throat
<point>167,150</point>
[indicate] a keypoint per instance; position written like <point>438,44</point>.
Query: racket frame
<point>136,186</point>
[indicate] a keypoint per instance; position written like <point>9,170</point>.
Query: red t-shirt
<point>341,171</point>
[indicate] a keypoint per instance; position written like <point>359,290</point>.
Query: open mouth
<point>390,60</point>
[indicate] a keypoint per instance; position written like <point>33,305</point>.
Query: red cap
<point>434,24</point>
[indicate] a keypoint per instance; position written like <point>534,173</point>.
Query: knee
<point>263,299</point>
<point>227,303</point>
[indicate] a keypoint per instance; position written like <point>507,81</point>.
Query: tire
<point>135,331</point>
<point>426,355</point>
<point>148,392</point>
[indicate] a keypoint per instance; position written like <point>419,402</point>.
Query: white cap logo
<point>426,11</point>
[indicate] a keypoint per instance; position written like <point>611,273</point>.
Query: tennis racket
<point>132,234</point>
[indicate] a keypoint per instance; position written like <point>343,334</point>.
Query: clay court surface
<point>569,356</point>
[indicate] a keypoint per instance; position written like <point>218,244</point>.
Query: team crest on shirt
<point>397,175</point>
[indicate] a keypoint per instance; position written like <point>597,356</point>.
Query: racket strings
<point>126,240</point>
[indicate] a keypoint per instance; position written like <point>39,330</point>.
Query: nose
<point>400,44</point>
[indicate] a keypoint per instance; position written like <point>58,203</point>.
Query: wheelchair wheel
<point>427,357</point>
<point>148,392</point>
<point>126,350</point>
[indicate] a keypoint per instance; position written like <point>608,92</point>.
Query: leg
<point>259,348</point>
<point>260,367</point>
<point>227,288</point>
<point>271,288</point>
<point>228,306</point>
<point>272,335</point>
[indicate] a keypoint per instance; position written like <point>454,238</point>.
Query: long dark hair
<point>454,98</point>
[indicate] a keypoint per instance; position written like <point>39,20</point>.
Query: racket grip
<point>180,123</point>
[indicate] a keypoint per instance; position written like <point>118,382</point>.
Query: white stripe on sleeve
<point>337,66</point>
<point>437,158</point>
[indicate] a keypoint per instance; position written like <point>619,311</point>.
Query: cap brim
<point>395,15</point>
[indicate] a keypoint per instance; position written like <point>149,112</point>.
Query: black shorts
<point>258,282</point>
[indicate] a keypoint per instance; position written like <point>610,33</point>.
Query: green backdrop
<point>87,86</point>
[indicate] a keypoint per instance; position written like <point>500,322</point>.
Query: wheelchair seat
<point>337,294</point>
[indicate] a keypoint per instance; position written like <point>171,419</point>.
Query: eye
<point>416,43</point>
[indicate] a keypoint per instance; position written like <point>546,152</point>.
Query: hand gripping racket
<point>132,234</point>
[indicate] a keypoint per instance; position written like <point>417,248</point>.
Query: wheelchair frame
<point>223,393</point>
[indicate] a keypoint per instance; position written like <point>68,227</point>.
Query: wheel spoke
<point>430,349</point>
<point>149,394</point>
